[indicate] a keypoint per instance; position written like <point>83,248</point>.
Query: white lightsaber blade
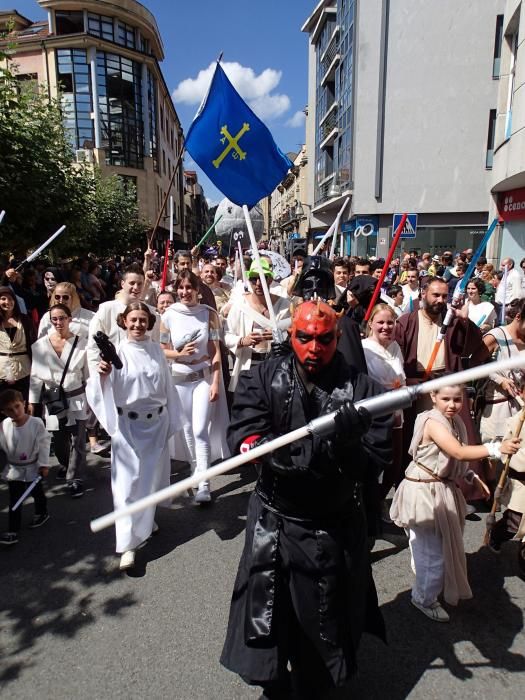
<point>2,214</point>
<point>171,218</point>
<point>27,492</point>
<point>331,229</point>
<point>42,247</point>
<point>381,405</point>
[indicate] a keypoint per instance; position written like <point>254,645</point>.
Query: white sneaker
<point>203,494</point>
<point>127,560</point>
<point>434,611</point>
<point>96,448</point>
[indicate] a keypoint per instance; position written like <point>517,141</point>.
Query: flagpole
<point>175,169</point>
<point>253,243</point>
<point>329,232</point>
<point>504,283</point>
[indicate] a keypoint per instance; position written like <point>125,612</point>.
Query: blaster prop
<point>27,492</point>
<point>459,293</point>
<point>384,404</point>
<point>188,338</point>
<point>107,349</point>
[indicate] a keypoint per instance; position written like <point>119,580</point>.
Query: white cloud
<point>297,120</point>
<point>255,89</point>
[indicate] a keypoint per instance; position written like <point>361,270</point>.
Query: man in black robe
<point>304,591</point>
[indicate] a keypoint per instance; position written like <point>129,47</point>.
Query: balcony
<point>329,63</point>
<point>329,131</point>
<point>331,110</point>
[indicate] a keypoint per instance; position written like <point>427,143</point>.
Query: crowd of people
<point>207,363</point>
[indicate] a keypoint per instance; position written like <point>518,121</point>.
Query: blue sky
<point>265,56</point>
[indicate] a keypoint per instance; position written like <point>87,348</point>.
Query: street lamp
<point>334,191</point>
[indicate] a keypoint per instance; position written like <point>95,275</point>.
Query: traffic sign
<point>409,229</point>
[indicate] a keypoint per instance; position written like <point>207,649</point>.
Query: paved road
<point>73,626</point>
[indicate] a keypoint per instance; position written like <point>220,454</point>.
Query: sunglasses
<point>61,296</point>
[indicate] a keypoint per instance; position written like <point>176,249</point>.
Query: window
<point>120,107</point>
<point>161,118</point>
<point>27,83</point>
<point>498,40</point>
<point>163,162</point>
<point>69,22</point>
<point>75,87</point>
<point>490,139</point>
<point>513,42</point>
<point>101,25</point>
<point>126,35</point>
<point>152,103</point>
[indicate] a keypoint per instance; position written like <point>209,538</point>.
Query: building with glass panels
<point>102,59</point>
<point>401,104</point>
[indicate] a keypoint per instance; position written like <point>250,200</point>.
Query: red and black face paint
<point>314,335</point>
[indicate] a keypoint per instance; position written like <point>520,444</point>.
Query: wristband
<point>494,448</point>
<point>249,443</point>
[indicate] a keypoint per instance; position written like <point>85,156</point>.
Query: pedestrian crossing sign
<point>409,229</point>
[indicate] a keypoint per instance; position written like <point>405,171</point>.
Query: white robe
<point>140,463</point>
<point>80,320</point>
<point>28,444</point>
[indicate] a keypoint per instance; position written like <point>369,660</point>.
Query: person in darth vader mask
<point>304,591</point>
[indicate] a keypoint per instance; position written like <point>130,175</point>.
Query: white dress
<point>80,320</point>
<point>482,314</point>
<point>139,409</point>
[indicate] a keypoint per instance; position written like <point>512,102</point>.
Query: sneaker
<point>39,520</point>
<point>75,488</point>
<point>9,538</point>
<point>203,494</point>
<point>61,473</point>
<point>471,509</point>
<point>96,448</point>
<point>127,560</point>
<point>434,611</point>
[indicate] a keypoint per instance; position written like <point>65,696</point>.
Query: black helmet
<point>316,278</point>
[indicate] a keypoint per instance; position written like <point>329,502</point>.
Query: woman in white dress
<point>66,293</point>
<point>385,364</point>
<point>190,334</point>
<point>138,408</point>
<point>482,313</point>
<point>50,358</point>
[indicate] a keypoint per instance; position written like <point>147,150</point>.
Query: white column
<point>145,110</point>
<point>92,57</point>
<point>51,21</point>
<point>86,21</point>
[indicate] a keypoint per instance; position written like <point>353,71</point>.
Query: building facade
<point>196,215</point>
<point>508,138</point>
<point>102,59</point>
<point>401,100</point>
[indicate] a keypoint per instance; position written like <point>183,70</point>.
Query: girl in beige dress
<point>430,505</point>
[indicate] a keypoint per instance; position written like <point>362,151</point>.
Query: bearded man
<point>304,591</point>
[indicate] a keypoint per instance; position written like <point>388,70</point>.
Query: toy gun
<point>107,349</point>
<point>188,338</point>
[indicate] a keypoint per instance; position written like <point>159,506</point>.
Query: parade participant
<point>306,529</point>
<point>396,294</point>
<point>105,319</point>
<point>16,336</point>
<point>66,293</point>
<point>410,290</point>
<point>59,359</point>
<point>430,505</point>
<point>500,393</point>
<point>190,339</point>
<point>211,275</point>
<point>512,524</point>
<point>244,336</point>
<point>482,313</point>
<point>139,409</point>
<point>362,267</point>
<point>514,287</point>
<point>25,443</point>
<point>385,364</point>
<point>164,300</point>
<point>341,270</point>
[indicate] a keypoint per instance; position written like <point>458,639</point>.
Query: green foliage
<point>41,189</point>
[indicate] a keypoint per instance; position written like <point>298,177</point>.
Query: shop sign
<point>511,204</point>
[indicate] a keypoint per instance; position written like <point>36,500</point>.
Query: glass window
<point>101,25</point>
<point>69,22</point>
<point>490,140</point>
<point>498,41</point>
<point>152,102</point>
<point>126,35</point>
<point>120,105</point>
<point>75,87</point>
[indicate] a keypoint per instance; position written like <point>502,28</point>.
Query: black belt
<point>135,415</point>
<point>260,356</point>
<point>76,392</point>
<point>12,354</point>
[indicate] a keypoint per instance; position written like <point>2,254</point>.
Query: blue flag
<point>233,147</point>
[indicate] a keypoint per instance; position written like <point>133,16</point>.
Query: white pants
<point>427,553</point>
<point>196,407</point>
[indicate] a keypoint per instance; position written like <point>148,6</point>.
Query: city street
<point>73,626</point>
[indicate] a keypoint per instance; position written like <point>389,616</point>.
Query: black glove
<point>280,349</point>
<point>351,423</point>
<point>107,350</point>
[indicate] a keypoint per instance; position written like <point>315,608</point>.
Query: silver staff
<point>381,405</point>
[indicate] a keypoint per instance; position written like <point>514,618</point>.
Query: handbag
<point>55,398</point>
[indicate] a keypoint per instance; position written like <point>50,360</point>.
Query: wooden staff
<point>175,169</point>
<point>491,517</point>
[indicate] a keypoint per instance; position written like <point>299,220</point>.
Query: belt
<point>76,392</point>
<point>140,415</point>
<point>434,478</point>
<point>518,476</point>
<point>259,356</point>
<point>492,402</point>
<point>12,354</point>
<point>23,464</point>
<point>191,377</point>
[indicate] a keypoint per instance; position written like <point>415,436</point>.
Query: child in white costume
<point>429,504</point>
